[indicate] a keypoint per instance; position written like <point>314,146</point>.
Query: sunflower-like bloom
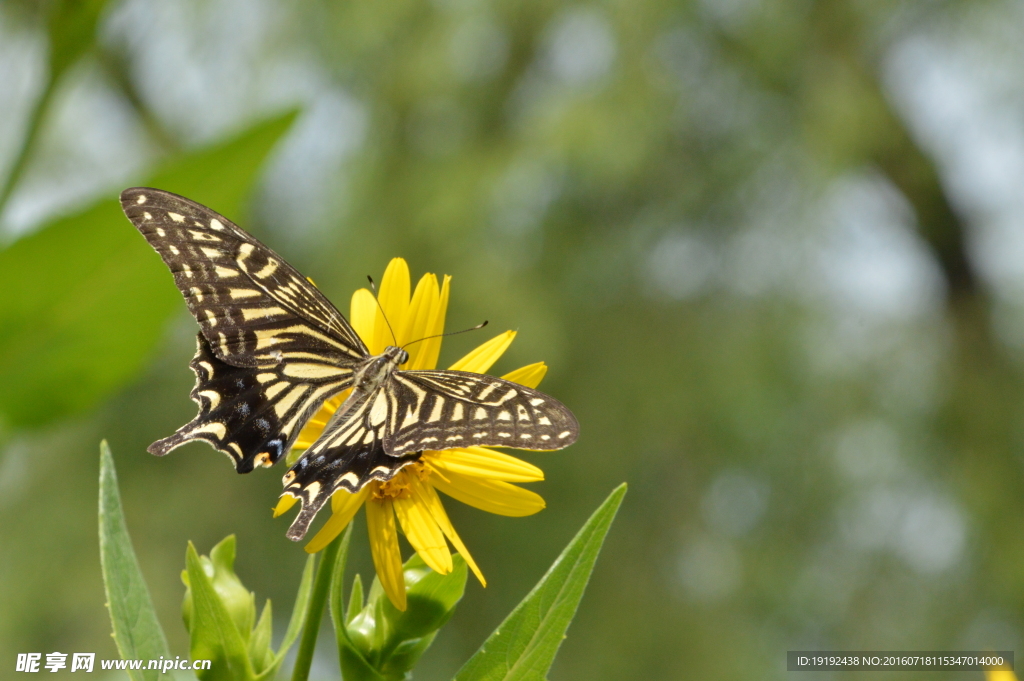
<point>478,476</point>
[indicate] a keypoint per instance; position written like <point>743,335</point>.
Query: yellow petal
<point>432,502</point>
<point>394,301</point>
<point>530,375</point>
<point>482,462</point>
<point>423,533</point>
<point>481,358</point>
<point>387,559</point>
<point>286,501</point>
<point>363,314</point>
<point>493,496</point>
<point>427,358</point>
<point>999,675</point>
<point>344,505</point>
<point>424,300</point>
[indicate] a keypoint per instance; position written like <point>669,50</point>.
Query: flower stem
<point>315,613</point>
<point>28,141</point>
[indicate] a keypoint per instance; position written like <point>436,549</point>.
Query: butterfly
<point>272,349</point>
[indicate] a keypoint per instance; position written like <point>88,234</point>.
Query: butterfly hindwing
<point>448,409</point>
<point>349,454</point>
<point>375,435</point>
<point>252,306</point>
<point>251,414</point>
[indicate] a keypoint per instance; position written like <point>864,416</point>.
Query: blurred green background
<point>773,253</point>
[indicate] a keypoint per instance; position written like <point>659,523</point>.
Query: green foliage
<point>301,606</point>
<point>93,298</point>
<point>380,642</point>
<point>71,27</point>
<point>220,613</point>
<point>214,635</point>
<point>220,568</point>
<point>523,647</point>
<point>218,610</point>
<point>315,609</point>
<point>376,641</point>
<point>136,630</point>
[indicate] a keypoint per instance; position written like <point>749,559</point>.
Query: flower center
<point>420,469</point>
<point>395,488</point>
<point>398,487</point>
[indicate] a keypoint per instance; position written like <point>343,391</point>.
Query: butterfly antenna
<point>450,333</point>
<point>373,287</point>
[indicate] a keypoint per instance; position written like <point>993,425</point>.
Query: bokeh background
<point>773,253</point>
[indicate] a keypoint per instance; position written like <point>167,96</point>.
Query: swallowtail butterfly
<point>271,349</point>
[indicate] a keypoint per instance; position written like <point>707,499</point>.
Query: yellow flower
<point>999,675</point>
<point>478,476</point>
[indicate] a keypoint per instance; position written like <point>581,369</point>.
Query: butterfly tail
<point>318,474</point>
<point>297,530</point>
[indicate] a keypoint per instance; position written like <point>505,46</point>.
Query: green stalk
<point>28,141</point>
<point>317,601</point>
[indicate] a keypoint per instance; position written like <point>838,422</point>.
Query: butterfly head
<point>397,356</point>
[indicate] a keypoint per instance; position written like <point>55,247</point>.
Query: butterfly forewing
<point>252,415</point>
<point>448,409</point>
<point>253,307</point>
<point>272,347</point>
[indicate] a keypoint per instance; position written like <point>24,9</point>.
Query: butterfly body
<point>376,370</point>
<point>272,349</point>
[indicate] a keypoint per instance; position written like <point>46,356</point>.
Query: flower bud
<point>239,602</point>
<point>392,640</point>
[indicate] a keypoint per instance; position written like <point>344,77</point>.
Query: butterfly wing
<point>375,435</point>
<point>349,454</point>
<point>449,409</point>
<point>252,306</point>
<point>273,348</point>
<point>252,415</point>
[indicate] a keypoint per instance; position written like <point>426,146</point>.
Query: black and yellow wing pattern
<point>271,349</point>
<point>412,411</point>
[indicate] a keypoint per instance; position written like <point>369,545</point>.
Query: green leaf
<point>239,601</point>
<point>260,652</point>
<point>524,645</point>
<point>299,609</point>
<point>137,632</point>
<point>381,642</point>
<point>354,666</point>
<point>86,299</point>
<point>431,599</point>
<point>213,633</point>
<point>294,625</point>
<point>336,600</point>
<point>355,599</point>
